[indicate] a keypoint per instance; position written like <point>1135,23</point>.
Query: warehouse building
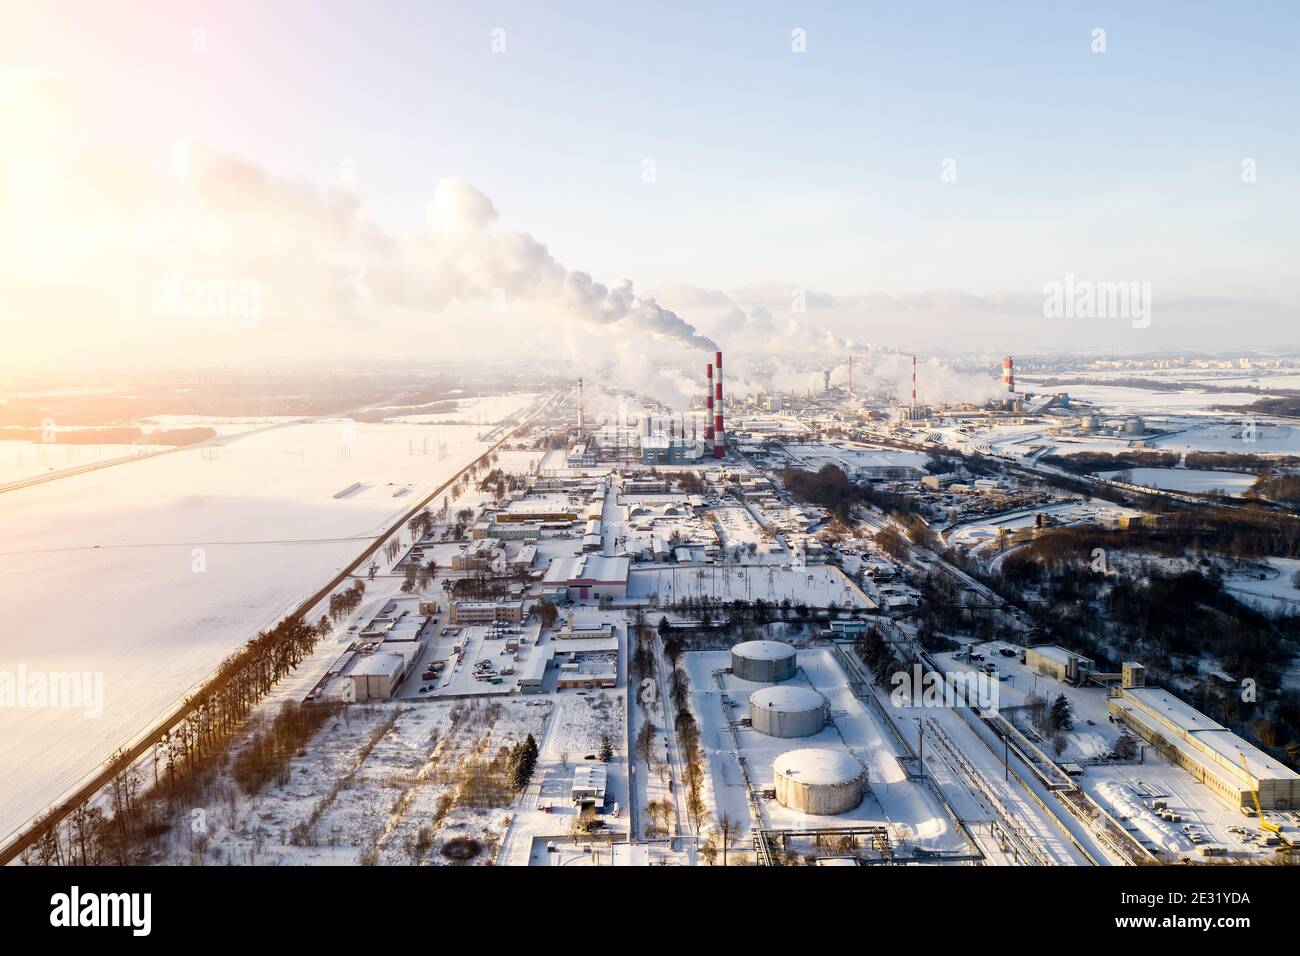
<point>588,577</point>
<point>1058,662</point>
<point>376,676</point>
<point>538,508</point>
<point>1210,752</point>
<point>532,680</point>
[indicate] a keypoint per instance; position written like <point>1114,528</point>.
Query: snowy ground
<point>28,459</point>
<point>980,533</point>
<point>1127,790</point>
<point>545,812</point>
<point>1267,438</point>
<point>151,573</point>
<point>380,783</point>
<point>482,411</point>
<point>816,585</point>
<point>1185,479</point>
<point>1134,401</point>
<point>1275,593</point>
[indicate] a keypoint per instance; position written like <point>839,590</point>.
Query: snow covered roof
<point>819,765</point>
<point>787,697</point>
<point>378,665</point>
<point>764,650</point>
<point>589,776</point>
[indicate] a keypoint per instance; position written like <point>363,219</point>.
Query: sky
<point>781,177</point>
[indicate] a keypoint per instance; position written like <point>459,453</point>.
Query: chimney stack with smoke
<point>719,434</point>
<point>708,407</point>
<point>914,381</point>
<point>582,422</point>
<point>1008,374</point>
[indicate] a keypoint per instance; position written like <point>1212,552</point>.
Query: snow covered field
<point>1122,398</point>
<point>816,585</point>
<point>480,410</point>
<point>384,783</point>
<point>1186,479</point>
<point>28,459</point>
<point>1269,438</point>
<point>151,573</point>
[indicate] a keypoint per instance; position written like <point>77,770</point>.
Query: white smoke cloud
<point>89,233</point>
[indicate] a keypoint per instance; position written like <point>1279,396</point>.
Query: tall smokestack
<point>850,376</point>
<point>582,422</point>
<point>719,434</point>
<point>914,381</point>
<point>1008,374</point>
<point>708,406</point>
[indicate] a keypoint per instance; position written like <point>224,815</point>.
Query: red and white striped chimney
<point>1008,374</point>
<point>708,407</point>
<point>914,381</point>
<point>719,435</point>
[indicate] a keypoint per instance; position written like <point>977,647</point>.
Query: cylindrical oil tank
<point>819,781</point>
<point>787,711</point>
<point>764,662</point>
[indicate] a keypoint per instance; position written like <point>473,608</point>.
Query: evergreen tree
<point>1062,717</point>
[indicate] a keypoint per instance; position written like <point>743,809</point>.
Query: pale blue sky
<point>819,169</point>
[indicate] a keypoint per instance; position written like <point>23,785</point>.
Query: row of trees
<point>139,811</point>
<point>343,603</point>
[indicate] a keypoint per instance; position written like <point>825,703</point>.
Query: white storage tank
<point>818,780</point>
<point>764,662</point>
<point>787,711</point>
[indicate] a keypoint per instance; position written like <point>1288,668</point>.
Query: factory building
<point>764,662</point>
<point>787,711</point>
<point>819,781</point>
<point>588,577</point>
<point>1210,752</point>
<point>582,455</point>
<point>463,613</point>
<point>1059,662</point>
<point>666,450</point>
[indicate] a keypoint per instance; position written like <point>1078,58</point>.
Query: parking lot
<point>475,659</point>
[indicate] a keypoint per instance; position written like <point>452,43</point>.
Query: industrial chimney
<point>719,433</point>
<point>582,423</point>
<point>708,406</point>
<point>914,381</point>
<point>1008,374</point>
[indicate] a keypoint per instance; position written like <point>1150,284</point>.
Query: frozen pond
<point>1186,479</point>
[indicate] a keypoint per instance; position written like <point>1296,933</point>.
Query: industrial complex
<point>769,626</point>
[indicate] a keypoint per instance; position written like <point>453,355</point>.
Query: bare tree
<point>727,829</point>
